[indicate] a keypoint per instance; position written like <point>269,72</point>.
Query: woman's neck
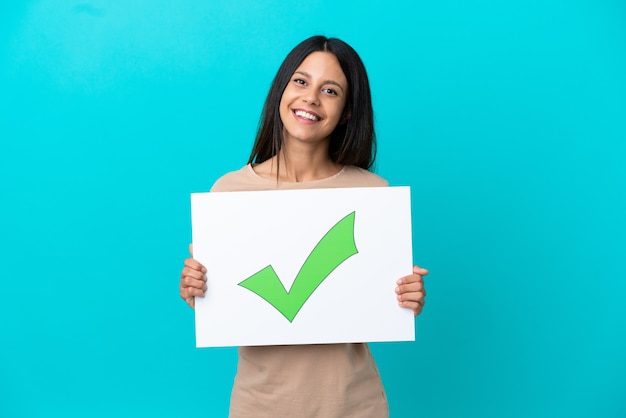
<point>293,166</point>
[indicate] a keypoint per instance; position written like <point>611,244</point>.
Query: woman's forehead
<point>323,66</point>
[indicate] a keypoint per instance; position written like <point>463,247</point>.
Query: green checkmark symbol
<point>335,247</point>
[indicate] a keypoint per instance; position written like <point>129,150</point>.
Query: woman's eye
<point>298,81</point>
<point>330,91</point>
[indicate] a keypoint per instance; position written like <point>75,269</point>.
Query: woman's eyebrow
<point>333,82</point>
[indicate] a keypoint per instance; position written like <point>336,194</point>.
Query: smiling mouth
<point>307,115</point>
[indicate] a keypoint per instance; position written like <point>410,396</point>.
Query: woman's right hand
<point>192,280</point>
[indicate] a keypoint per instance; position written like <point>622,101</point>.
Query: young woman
<point>317,131</point>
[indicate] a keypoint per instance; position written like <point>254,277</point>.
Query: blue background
<point>508,119</point>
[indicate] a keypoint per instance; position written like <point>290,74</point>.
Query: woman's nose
<point>311,97</point>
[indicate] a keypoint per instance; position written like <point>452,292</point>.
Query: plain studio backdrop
<point>507,119</point>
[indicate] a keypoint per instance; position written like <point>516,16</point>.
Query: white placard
<point>237,235</point>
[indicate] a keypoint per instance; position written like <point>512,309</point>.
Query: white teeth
<point>306,115</point>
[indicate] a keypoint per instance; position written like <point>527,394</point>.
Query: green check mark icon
<point>335,247</point>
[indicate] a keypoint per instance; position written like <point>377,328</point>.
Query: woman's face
<point>314,100</point>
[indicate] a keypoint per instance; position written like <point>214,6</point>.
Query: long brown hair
<point>352,142</point>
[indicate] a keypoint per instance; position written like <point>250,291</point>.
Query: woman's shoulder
<point>231,181</point>
<point>362,178</point>
<point>246,179</point>
<point>243,179</point>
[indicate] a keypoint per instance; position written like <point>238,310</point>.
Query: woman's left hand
<point>411,292</point>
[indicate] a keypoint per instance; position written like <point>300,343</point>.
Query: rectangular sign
<point>302,266</point>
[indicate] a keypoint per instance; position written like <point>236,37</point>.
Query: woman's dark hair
<point>352,142</point>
